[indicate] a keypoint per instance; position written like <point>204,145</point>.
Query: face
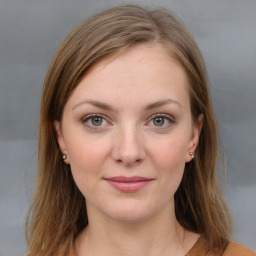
<point>127,132</point>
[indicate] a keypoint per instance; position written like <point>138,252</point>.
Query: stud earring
<point>192,155</point>
<point>64,156</point>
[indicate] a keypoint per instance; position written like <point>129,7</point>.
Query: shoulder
<point>235,249</point>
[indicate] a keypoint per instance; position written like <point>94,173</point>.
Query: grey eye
<point>159,121</point>
<point>96,120</point>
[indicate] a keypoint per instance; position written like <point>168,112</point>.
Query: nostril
<point>128,149</point>
<point>129,162</point>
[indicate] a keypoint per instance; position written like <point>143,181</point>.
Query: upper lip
<point>128,179</point>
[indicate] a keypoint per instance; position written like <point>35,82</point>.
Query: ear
<point>60,138</point>
<point>196,131</point>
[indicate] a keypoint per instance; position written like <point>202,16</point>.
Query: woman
<point>128,144</point>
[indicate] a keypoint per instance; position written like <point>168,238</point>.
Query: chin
<point>130,212</point>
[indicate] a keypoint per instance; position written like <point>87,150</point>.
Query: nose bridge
<point>128,147</point>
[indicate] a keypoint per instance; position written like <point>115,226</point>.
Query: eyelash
<point>167,117</point>
<point>89,117</point>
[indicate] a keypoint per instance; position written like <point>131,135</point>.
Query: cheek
<point>87,158</point>
<point>169,159</point>
<point>169,152</point>
<point>86,154</point>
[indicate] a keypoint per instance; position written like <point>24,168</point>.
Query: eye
<point>94,121</point>
<point>161,120</point>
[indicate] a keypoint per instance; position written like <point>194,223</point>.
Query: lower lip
<point>129,187</point>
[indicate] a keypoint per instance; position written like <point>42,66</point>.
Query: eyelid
<point>84,120</point>
<point>170,118</point>
<point>162,115</point>
<point>87,117</point>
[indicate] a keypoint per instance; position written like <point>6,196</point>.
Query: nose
<point>128,147</point>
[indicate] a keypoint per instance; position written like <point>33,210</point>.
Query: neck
<point>157,235</point>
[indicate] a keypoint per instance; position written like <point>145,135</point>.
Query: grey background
<point>30,32</point>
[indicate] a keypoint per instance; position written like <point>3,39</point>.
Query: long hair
<point>58,210</point>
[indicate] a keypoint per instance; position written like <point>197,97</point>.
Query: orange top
<point>201,249</point>
<point>233,249</point>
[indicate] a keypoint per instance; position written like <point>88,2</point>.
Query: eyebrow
<point>161,103</point>
<point>96,104</point>
<point>108,107</point>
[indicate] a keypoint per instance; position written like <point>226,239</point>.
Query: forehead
<point>145,55</point>
<point>144,72</point>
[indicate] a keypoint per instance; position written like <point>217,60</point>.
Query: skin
<point>129,138</point>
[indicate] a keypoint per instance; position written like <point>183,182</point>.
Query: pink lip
<point>128,184</point>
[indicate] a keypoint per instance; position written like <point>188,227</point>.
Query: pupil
<point>159,121</point>
<point>97,121</point>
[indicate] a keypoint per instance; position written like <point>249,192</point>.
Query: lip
<point>128,184</point>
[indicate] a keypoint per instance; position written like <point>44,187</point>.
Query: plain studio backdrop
<point>30,32</point>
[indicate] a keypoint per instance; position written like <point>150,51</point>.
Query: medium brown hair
<point>58,210</point>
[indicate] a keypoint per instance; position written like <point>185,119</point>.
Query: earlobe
<point>197,128</point>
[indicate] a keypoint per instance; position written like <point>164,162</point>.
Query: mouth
<point>128,184</point>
